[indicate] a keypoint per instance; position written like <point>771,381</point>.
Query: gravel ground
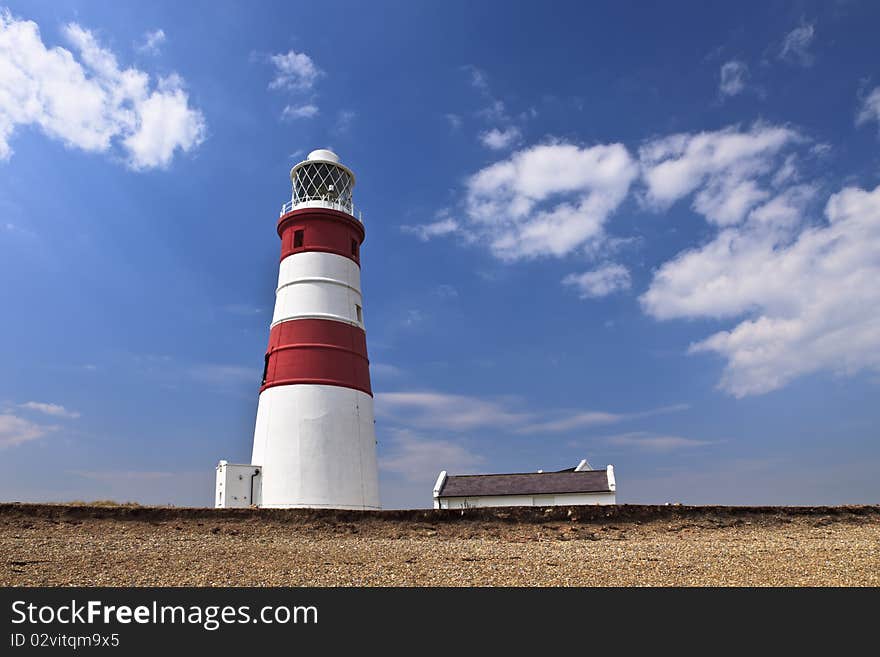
<point>602,546</point>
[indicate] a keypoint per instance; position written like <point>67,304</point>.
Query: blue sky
<point>645,235</point>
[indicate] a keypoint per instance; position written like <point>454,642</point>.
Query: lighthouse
<point>314,440</point>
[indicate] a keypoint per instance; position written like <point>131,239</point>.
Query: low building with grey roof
<point>575,486</point>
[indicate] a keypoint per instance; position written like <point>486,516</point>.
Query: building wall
<point>564,499</point>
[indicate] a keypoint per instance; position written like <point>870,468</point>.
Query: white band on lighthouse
<point>319,285</point>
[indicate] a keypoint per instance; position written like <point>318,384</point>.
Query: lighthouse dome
<point>323,154</point>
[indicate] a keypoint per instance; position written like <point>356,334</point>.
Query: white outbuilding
<point>575,486</point>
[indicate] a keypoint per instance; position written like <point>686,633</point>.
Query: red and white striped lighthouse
<point>315,441</point>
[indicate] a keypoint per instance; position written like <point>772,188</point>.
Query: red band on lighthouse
<point>320,229</point>
<point>317,351</point>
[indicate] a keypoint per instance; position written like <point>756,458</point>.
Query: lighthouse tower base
<point>317,448</point>
<point>314,447</point>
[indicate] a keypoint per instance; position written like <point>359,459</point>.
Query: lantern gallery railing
<point>348,207</point>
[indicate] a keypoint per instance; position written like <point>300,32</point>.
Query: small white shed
<point>574,486</point>
<point>238,485</point>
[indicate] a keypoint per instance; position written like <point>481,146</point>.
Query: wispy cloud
<point>502,131</point>
<point>433,410</point>
<point>654,442</point>
<point>570,420</point>
<point>599,282</point>
<point>296,74</point>
<point>419,459</point>
<point>344,120</point>
<point>869,109</point>
<point>55,410</point>
<point>578,420</point>
<point>15,229</point>
<point>733,78</point>
<point>293,112</point>
<point>439,228</point>
<point>385,370</point>
<point>498,139</point>
<point>478,78</point>
<point>16,430</point>
<point>445,411</point>
<point>151,44</point>
<point>454,121</point>
<point>413,317</point>
<point>724,167</point>
<point>495,111</point>
<point>294,71</point>
<point>445,291</point>
<point>796,45</point>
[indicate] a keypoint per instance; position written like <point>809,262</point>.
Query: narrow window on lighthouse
<point>298,238</point>
<point>265,368</point>
<point>354,248</point>
<point>360,314</point>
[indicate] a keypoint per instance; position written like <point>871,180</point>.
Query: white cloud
<point>16,431</point>
<point>722,279</point>
<point>599,282</point>
<point>294,112</point>
<point>419,460</point>
<point>439,228</point>
<point>795,46</point>
<point>556,421</point>
<point>723,166</point>
<point>442,411</point>
<point>568,422</point>
<point>166,124</point>
<point>726,201</point>
<point>787,173</point>
<point>294,71</point>
<point>653,442</point>
<point>500,139</point>
<point>870,109</point>
<point>90,104</point>
<point>809,297</point>
<point>55,410</point>
<point>549,199</point>
<point>435,410</point>
<point>152,42</point>
<point>733,78</point>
